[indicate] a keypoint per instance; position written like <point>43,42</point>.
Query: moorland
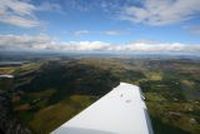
<point>48,91</point>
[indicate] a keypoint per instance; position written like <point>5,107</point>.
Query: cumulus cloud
<point>44,42</point>
<point>22,13</point>
<point>24,41</point>
<point>162,12</point>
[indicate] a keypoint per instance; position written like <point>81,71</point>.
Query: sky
<point>100,25</point>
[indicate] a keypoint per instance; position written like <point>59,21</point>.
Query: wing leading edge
<point>121,111</point>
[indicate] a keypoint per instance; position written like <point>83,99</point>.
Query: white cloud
<point>85,46</point>
<point>81,32</point>
<point>44,42</point>
<point>18,13</point>
<point>24,41</point>
<point>20,21</point>
<point>106,32</point>
<point>161,47</point>
<point>162,12</point>
<point>47,6</point>
<point>22,13</point>
<point>112,32</point>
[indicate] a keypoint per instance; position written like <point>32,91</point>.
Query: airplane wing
<point>121,111</point>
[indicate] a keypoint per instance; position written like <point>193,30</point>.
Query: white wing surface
<point>121,111</point>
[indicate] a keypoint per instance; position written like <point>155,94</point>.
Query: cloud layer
<point>153,12</point>
<point>161,12</point>
<point>18,13</point>
<point>44,42</point>
<point>22,13</point>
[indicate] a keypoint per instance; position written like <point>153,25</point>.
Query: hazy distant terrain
<point>49,90</point>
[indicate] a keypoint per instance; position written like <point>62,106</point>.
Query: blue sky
<point>136,25</point>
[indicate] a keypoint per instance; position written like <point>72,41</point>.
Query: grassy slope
<point>55,105</point>
<point>49,118</point>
